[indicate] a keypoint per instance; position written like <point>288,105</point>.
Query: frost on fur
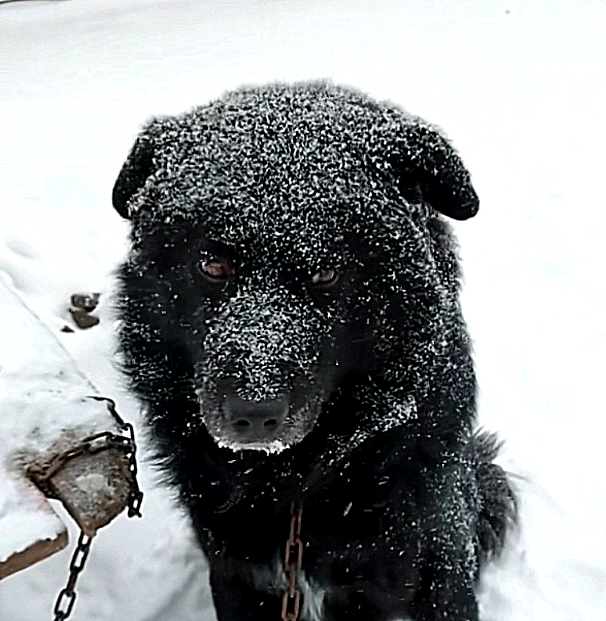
<point>291,321</point>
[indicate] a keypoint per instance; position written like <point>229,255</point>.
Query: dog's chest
<point>272,579</point>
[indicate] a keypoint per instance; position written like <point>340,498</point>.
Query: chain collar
<point>293,557</point>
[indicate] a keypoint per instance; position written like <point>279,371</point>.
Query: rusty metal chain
<point>41,473</point>
<point>293,559</point>
<point>67,596</point>
<point>135,496</point>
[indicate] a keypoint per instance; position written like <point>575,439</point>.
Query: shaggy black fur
<point>290,266</point>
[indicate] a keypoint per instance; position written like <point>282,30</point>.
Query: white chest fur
<point>272,579</point>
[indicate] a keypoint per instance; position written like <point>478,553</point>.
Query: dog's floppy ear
<point>134,172</point>
<point>423,157</point>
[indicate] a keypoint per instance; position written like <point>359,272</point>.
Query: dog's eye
<point>324,278</point>
<point>216,270</point>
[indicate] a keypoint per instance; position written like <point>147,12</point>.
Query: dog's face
<point>274,305</point>
<point>272,229</point>
<point>272,328</point>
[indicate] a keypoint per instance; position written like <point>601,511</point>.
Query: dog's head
<point>285,239</point>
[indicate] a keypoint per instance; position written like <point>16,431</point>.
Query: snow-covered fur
<point>291,321</point>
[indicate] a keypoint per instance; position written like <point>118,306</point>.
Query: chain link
<point>67,596</point>
<point>93,444</point>
<point>293,560</point>
<point>135,496</point>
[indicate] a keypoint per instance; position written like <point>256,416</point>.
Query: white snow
<point>518,85</point>
<point>45,399</point>
<point>25,515</point>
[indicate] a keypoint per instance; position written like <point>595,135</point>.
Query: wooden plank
<point>29,528</point>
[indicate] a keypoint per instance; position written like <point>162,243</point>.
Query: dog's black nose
<point>255,420</point>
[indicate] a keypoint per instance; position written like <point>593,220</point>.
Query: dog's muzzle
<point>251,422</point>
<point>257,375</point>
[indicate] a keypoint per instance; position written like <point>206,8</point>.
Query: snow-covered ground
<point>519,87</point>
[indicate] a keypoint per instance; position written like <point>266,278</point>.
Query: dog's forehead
<point>301,234</point>
<point>287,176</point>
<point>303,221</point>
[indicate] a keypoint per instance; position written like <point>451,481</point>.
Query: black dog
<point>291,321</point>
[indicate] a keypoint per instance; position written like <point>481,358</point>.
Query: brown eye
<point>324,278</point>
<point>217,270</point>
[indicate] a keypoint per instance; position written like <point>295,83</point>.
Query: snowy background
<point>519,87</point>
